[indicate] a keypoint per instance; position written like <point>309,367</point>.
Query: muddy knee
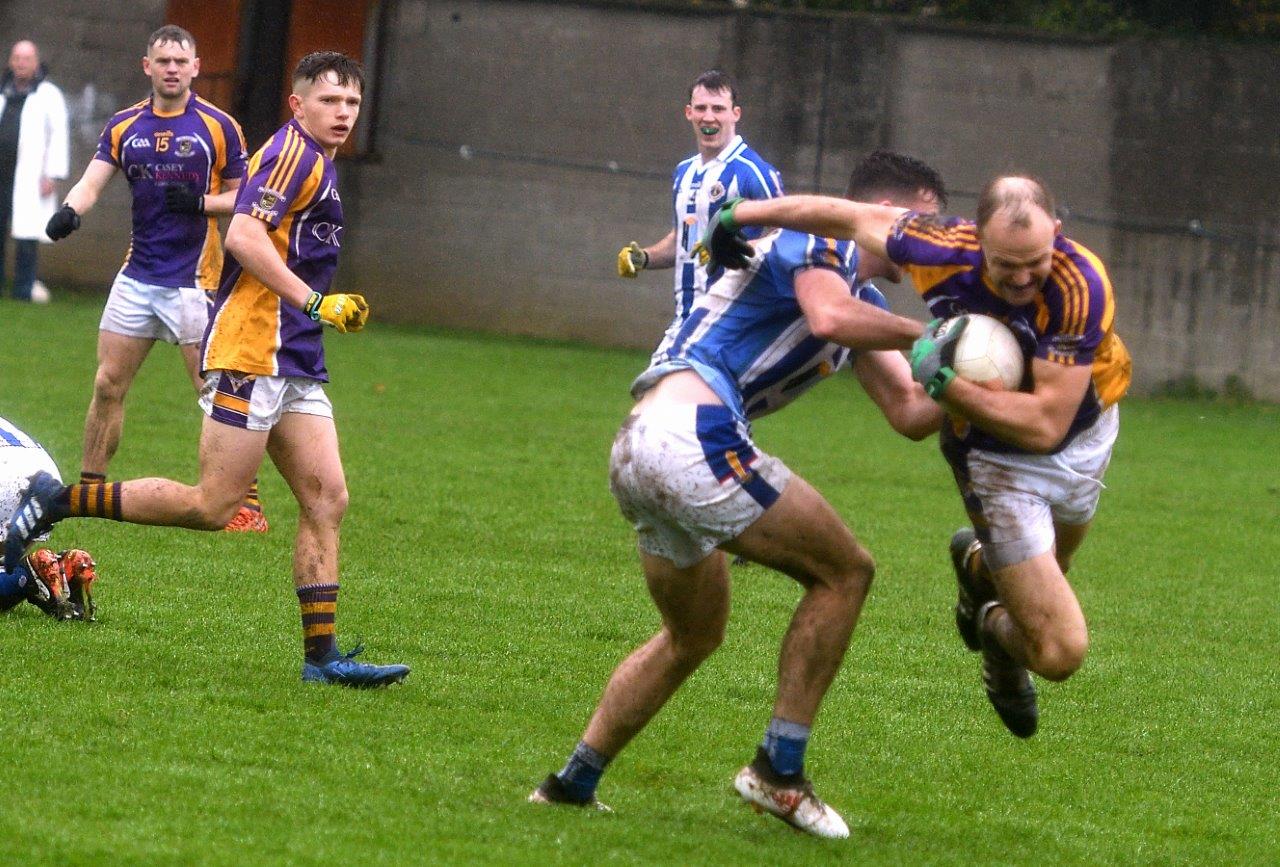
<point>1060,656</point>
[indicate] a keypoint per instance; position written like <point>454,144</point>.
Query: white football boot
<point>793,802</point>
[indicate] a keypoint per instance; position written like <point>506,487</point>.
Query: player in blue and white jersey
<point>58,584</point>
<point>688,476</point>
<point>723,168</point>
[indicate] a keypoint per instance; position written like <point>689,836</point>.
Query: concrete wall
<point>519,144</point>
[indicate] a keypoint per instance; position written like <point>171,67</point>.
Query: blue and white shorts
<point>137,309</point>
<point>257,402</point>
<point>689,478</point>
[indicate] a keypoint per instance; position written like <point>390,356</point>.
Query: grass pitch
<point>482,548</point>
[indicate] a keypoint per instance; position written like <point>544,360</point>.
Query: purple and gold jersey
<point>200,147</point>
<point>1070,322</point>
<point>293,188</point>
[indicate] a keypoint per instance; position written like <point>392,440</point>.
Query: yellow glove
<point>632,259</point>
<point>344,312</point>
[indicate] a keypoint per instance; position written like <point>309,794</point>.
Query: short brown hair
<point>715,81</point>
<point>171,33</point>
<point>317,63</point>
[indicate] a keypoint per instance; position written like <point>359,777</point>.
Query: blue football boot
<point>32,518</point>
<point>343,670</point>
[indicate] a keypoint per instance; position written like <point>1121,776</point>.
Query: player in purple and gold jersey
<point>263,390</point>
<point>1029,463</point>
<point>183,158</point>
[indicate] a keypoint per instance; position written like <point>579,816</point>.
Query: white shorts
<point>17,465</point>
<point>137,309</point>
<point>689,479</point>
<point>1021,496</point>
<point>257,402</point>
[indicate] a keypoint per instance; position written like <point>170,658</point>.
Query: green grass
<point>482,547</point>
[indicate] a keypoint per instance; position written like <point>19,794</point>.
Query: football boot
<point>47,589</point>
<point>1008,684</point>
<point>972,591</point>
<point>32,518</point>
<point>80,571</point>
<point>790,798</point>
<point>342,669</point>
<point>247,521</point>
<point>552,791</point>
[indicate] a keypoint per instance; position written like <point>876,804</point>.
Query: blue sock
<point>581,774</point>
<point>785,742</point>
<point>13,587</point>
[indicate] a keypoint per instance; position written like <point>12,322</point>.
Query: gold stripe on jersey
<point>941,237</point>
<point>209,268</point>
<point>1112,369</point>
<point>117,133</point>
<point>290,156</point>
<point>219,151</point>
<point>246,332</point>
<point>925,277</point>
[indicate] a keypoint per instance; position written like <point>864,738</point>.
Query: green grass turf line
<point>483,548</point>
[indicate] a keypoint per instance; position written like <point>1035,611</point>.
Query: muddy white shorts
<point>688,478</point>
<point>17,464</point>
<point>137,309</point>
<point>258,402</point>
<point>1020,496</point>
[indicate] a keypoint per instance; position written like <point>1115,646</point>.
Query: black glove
<point>63,222</point>
<point>180,199</point>
<point>723,246</point>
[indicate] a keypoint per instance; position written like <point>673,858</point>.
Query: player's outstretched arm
<point>82,197</point>
<point>834,315</point>
<point>248,240</point>
<point>886,377</point>
<point>867,225</point>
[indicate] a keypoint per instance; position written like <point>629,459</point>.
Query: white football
<point>987,352</point>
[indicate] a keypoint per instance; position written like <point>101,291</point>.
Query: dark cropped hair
<point>317,63</point>
<point>884,171</point>
<point>1015,193</point>
<point>171,33</point>
<point>715,81</point>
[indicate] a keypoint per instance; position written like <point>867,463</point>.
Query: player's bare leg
<point>802,536</point>
<point>304,449</point>
<point>694,604</point>
<point>229,459</point>
<point>248,518</point>
<point>1039,621</point>
<point>119,358</point>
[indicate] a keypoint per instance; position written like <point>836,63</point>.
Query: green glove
<point>723,246</point>
<point>932,355</point>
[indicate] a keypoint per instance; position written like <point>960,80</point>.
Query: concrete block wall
<point>521,143</point>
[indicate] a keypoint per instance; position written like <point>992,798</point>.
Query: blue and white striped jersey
<point>698,189</point>
<point>746,334</point>
<point>11,437</point>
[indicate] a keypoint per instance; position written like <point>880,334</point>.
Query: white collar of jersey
<point>736,143</point>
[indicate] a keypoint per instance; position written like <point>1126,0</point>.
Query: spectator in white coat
<point>33,154</point>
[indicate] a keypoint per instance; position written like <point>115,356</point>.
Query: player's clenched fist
<point>344,312</point>
<point>63,222</point>
<point>632,259</point>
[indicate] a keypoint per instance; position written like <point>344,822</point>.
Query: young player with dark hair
<point>263,359</point>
